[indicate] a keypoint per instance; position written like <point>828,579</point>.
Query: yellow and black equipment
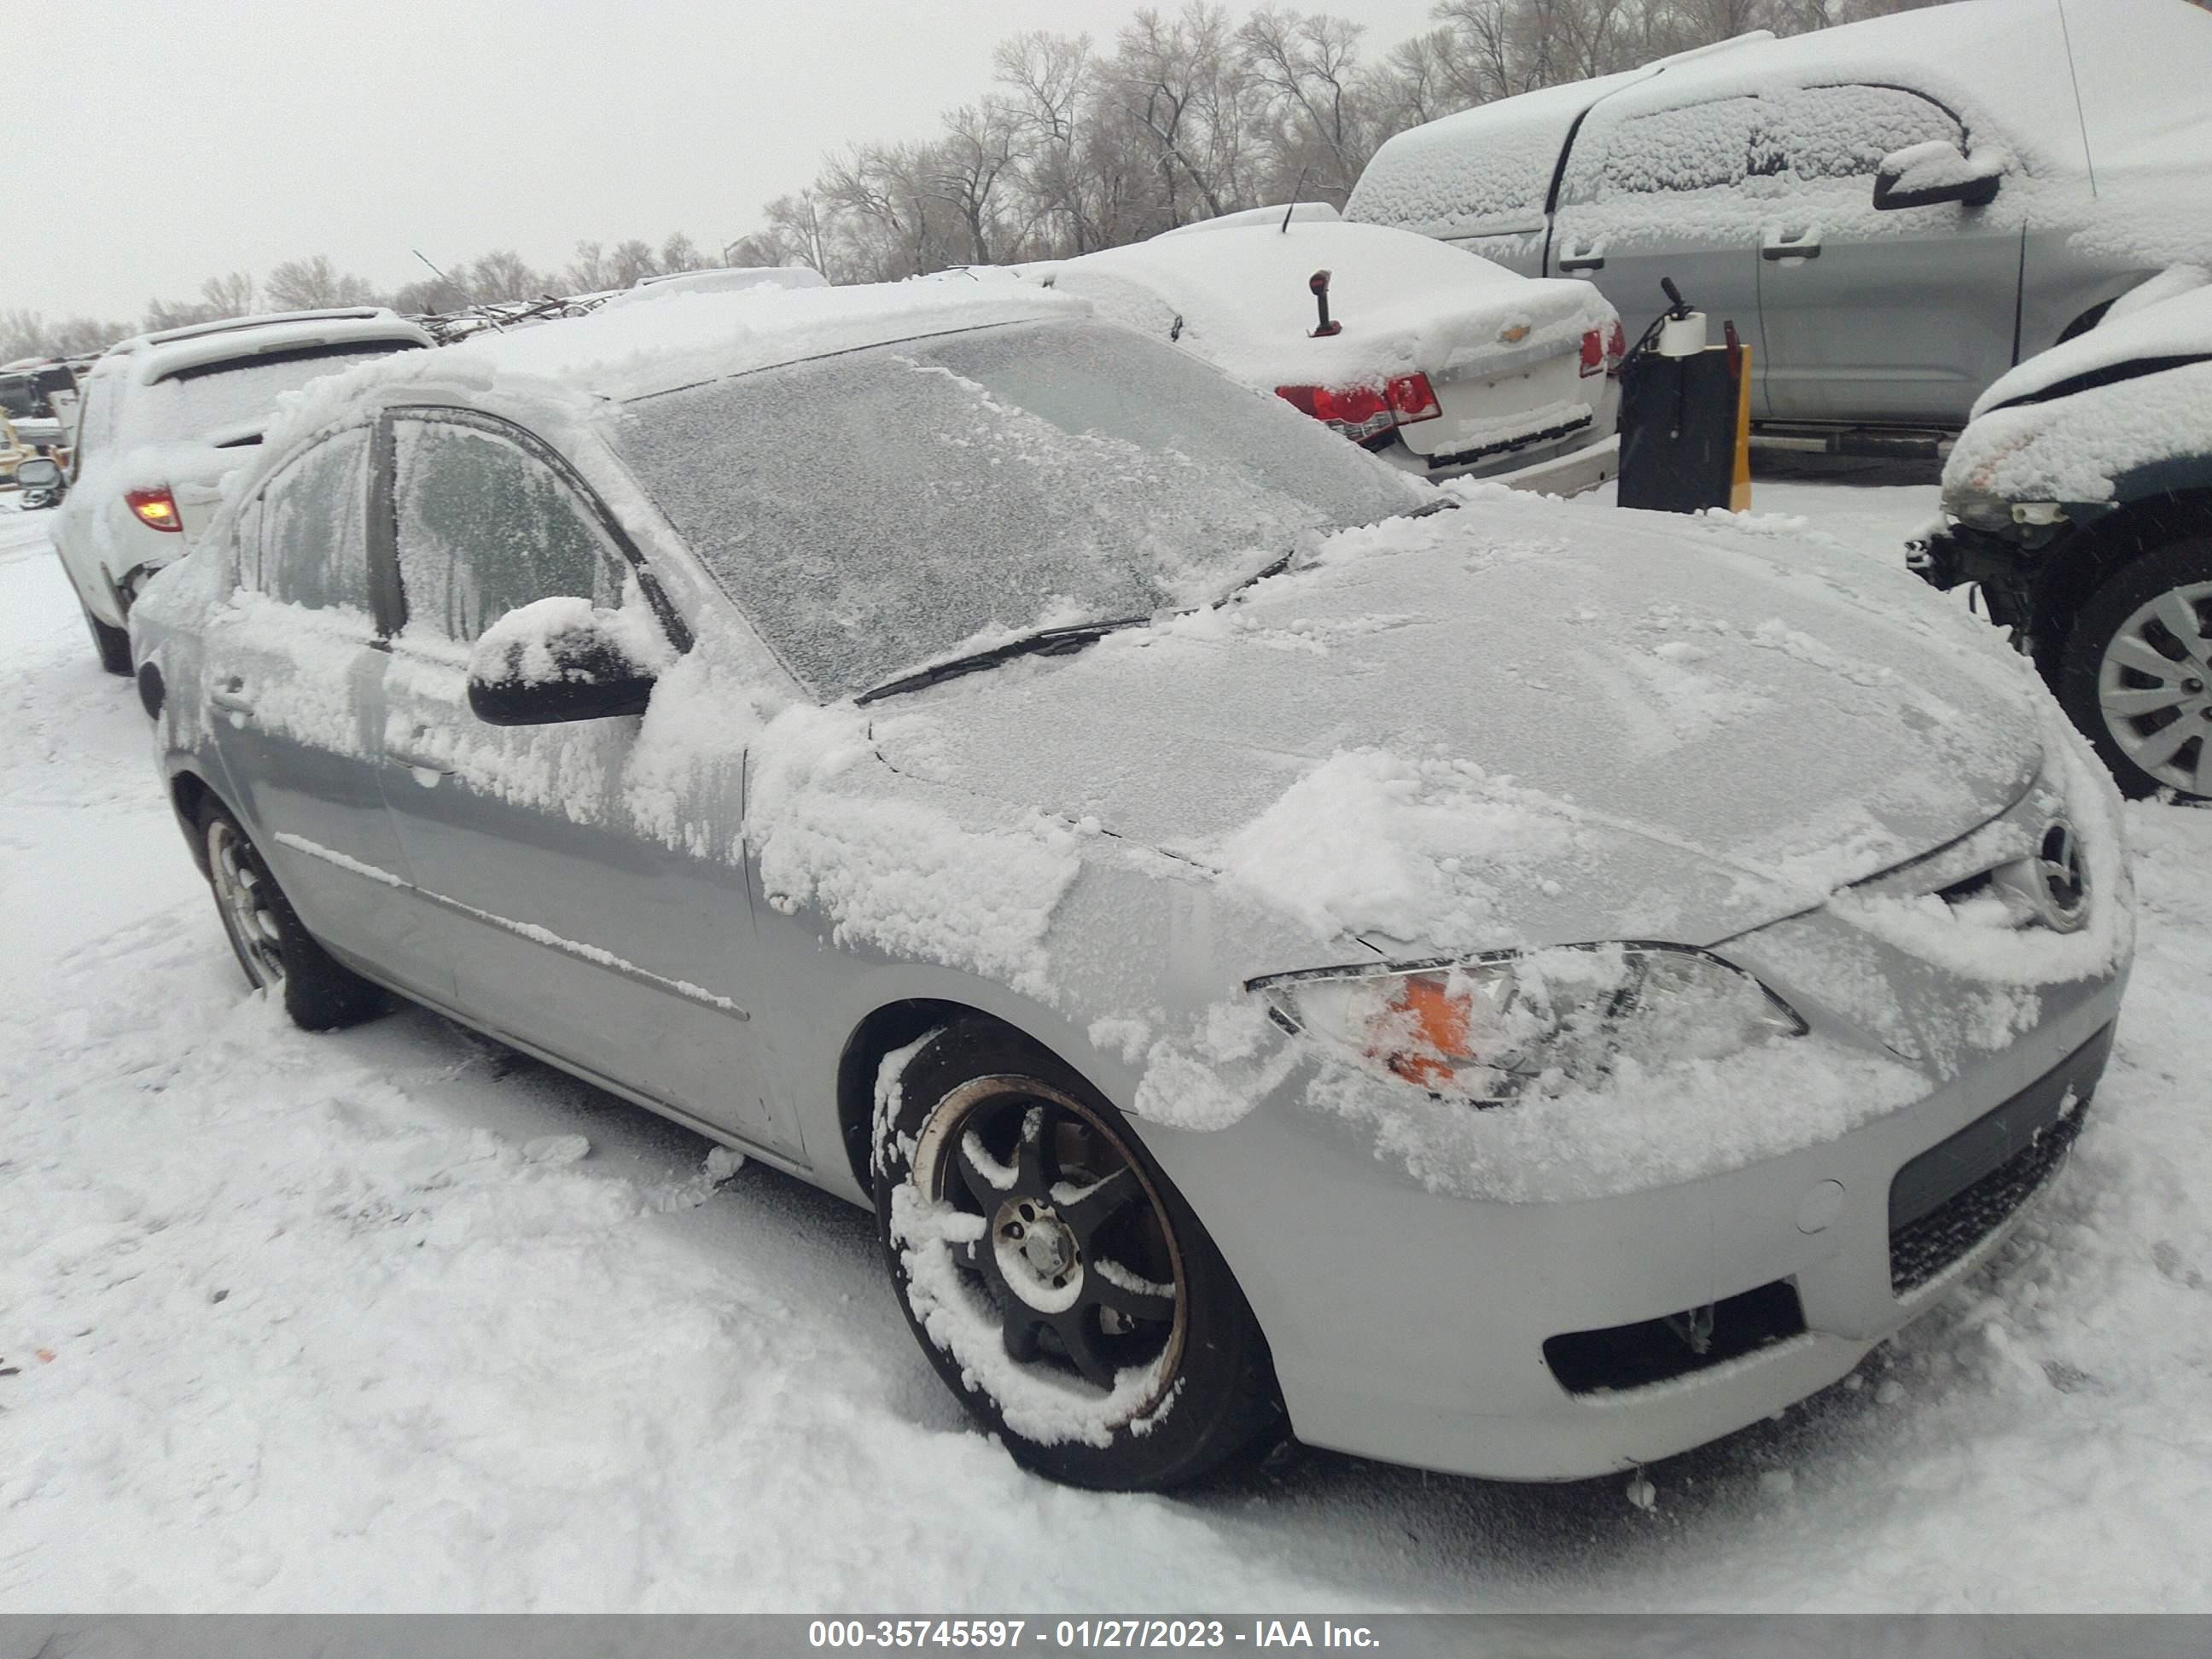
<point>1686,415</point>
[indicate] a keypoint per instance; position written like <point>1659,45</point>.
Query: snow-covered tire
<point>2132,678</point>
<point>1083,1314</point>
<point>112,644</point>
<point>273,947</point>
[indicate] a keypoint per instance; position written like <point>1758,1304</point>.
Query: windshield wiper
<point>1045,642</point>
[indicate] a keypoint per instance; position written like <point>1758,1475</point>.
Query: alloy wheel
<point>2154,687</point>
<point>1076,1252</point>
<point>245,896</point>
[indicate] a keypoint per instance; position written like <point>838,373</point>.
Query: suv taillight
<point>1616,349</point>
<point>1361,412</point>
<point>154,509</point>
<point>1593,352</point>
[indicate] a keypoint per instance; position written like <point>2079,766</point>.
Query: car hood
<point>1516,725</point>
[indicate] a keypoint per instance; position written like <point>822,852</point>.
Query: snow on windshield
<point>241,392</point>
<point>877,510</point>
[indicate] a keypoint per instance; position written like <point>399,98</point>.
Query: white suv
<point>165,416</point>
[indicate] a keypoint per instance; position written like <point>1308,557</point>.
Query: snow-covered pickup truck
<point>2080,499</point>
<point>1894,214</point>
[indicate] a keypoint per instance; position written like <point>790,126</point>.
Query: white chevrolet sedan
<point>1511,991</point>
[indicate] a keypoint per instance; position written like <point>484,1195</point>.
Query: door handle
<point>1582,262</point>
<point>418,762</point>
<point>1806,248</point>
<point>230,696</point>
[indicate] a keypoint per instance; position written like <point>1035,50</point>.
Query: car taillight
<point>155,509</point>
<point>1594,352</point>
<point>1616,347</point>
<point>1412,399</point>
<point>1362,413</point>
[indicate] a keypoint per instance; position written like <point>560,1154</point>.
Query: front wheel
<point>2136,674</point>
<point>277,953</point>
<point>1063,1289</point>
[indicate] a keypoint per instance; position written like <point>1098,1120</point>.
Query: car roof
<point>147,358</point>
<point>618,354</point>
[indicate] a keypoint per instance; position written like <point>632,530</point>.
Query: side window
<point>314,549</point>
<point>92,418</point>
<point>1842,133</point>
<point>1668,152</point>
<point>485,528</point>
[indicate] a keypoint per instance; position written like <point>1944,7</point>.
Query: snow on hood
<point>1499,728</point>
<point>1406,302</point>
<point>2075,447</point>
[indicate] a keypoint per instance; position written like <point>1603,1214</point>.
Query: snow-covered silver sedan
<point>1510,989</point>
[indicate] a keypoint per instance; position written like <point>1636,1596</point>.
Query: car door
<point>1899,317</point>
<point>573,925</point>
<point>1664,192</point>
<point>293,673</point>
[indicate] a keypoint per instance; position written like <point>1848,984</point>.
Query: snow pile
<point>1413,848</point>
<point>1406,304</point>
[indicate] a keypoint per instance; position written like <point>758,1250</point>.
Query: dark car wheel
<point>277,953</point>
<point>113,644</point>
<point>1061,1287</point>
<point>2136,672</point>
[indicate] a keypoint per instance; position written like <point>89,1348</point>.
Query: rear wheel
<point>276,952</point>
<point>1063,1289</point>
<point>113,644</point>
<point>2136,674</point>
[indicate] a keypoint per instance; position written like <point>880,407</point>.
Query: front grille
<point>1955,1195</point>
<point>1921,1249</point>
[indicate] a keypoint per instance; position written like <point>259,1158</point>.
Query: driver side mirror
<point>1923,175</point>
<point>40,472</point>
<point>559,660</point>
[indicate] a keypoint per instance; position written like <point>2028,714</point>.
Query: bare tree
<point>1308,64</point>
<point>502,275</point>
<point>313,284</point>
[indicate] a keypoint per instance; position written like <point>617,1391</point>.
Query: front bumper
<point>1422,1329</point>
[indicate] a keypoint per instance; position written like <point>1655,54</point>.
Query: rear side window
<point>1842,133</point>
<point>485,528</point>
<point>1668,152</point>
<point>315,549</point>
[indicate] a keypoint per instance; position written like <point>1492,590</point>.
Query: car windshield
<point>213,399</point>
<point>874,511</point>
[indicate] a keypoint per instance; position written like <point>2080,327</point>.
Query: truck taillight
<point>1362,413</point>
<point>1616,349</point>
<point>155,509</point>
<point>1593,352</point>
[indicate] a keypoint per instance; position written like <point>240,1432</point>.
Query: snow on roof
<point>147,358</point>
<point>634,351</point>
<point>1405,300</point>
<point>723,279</point>
<point>2143,71</point>
<point>1301,213</point>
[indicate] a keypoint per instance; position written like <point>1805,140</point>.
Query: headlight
<point>1490,1028</point>
<point>1976,511</point>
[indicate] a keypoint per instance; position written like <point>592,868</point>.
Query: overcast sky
<point>154,144</point>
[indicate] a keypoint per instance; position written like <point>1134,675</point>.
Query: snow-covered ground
<point>395,1319</point>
